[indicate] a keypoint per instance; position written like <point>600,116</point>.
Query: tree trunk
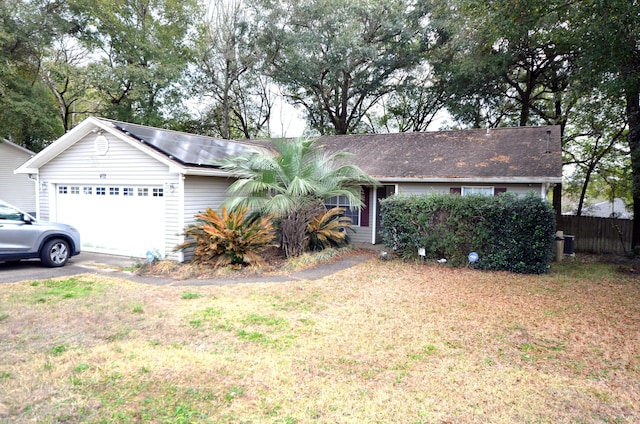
<point>293,231</point>
<point>585,184</point>
<point>633,138</point>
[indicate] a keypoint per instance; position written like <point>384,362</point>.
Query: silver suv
<point>24,237</point>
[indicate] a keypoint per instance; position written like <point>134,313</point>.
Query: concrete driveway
<point>85,262</point>
<point>117,266</point>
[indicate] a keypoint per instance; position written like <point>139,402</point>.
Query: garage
<point>117,219</point>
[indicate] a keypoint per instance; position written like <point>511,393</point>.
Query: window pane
<point>342,202</point>
<point>485,191</point>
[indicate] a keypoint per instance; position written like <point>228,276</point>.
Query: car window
<point>8,213</point>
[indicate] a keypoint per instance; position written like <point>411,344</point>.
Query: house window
<point>87,190</point>
<point>114,191</point>
<point>127,191</point>
<point>75,190</point>
<point>158,192</point>
<point>143,192</point>
<point>343,202</point>
<point>62,189</point>
<point>101,191</point>
<point>485,191</point>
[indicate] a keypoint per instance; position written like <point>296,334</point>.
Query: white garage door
<point>122,220</point>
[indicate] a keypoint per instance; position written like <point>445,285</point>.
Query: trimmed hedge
<point>508,232</point>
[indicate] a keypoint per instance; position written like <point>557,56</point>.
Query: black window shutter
<point>456,190</point>
<point>499,190</point>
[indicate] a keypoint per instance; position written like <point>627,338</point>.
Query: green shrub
<point>522,235</point>
<point>508,232</point>
<point>231,238</point>
<point>329,229</point>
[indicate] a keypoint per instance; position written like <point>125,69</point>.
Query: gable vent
<point>101,145</point>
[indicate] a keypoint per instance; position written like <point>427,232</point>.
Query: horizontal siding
<point>17,189</point>
<point>43,198</point>
<point>425,188</point>
<point>362,234</point>
<point>121,164</point>
<point>201,193</point>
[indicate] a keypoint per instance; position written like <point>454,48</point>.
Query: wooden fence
<point>597,235</point>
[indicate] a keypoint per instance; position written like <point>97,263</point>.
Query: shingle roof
<point>521,153</point>
<point>518,152</point>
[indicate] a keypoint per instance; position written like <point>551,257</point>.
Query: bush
<point>329,229</point>
<point>232,238</point>
<point>508,232</point>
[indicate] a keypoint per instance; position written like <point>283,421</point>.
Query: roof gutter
<point>483,180</point>
<point>202,172</point>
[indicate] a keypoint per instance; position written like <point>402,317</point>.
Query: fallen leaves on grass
<point>384,341</point>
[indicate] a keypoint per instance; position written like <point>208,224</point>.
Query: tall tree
<point>505,60</point>
<point>143,50</point>
<point>595,145</point>
<point>27,108</point>
<point>239,98</point>
<point>607,37</point>
<point>415,102</point>
<point>337,58</point>
<point>508,62</point>
<point>65,75</point>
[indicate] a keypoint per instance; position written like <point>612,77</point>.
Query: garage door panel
<point>124,219</point>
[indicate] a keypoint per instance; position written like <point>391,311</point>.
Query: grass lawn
<point>383,342</point>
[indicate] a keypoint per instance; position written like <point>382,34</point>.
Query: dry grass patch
<point>275,264</point>
<point>380,342</point>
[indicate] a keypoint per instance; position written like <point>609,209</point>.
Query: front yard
<point>383,342</point>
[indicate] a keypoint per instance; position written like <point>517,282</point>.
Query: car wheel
<point>55,253</point>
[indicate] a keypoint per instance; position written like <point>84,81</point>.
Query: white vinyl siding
<point>16,189</point>
<point>362,234</point>
<point>201,193</point>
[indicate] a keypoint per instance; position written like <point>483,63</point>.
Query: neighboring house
<point>17,189</point>
<point>132,189</point>
<point>615,209</point>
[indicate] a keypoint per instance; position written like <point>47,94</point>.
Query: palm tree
<point>291,183</point>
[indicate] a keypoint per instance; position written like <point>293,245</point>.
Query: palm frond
<point>231,237</point>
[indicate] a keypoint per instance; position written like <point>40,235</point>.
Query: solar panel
<point>189,149</point>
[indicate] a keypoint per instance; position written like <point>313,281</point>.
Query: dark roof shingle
<point>477,153</point>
